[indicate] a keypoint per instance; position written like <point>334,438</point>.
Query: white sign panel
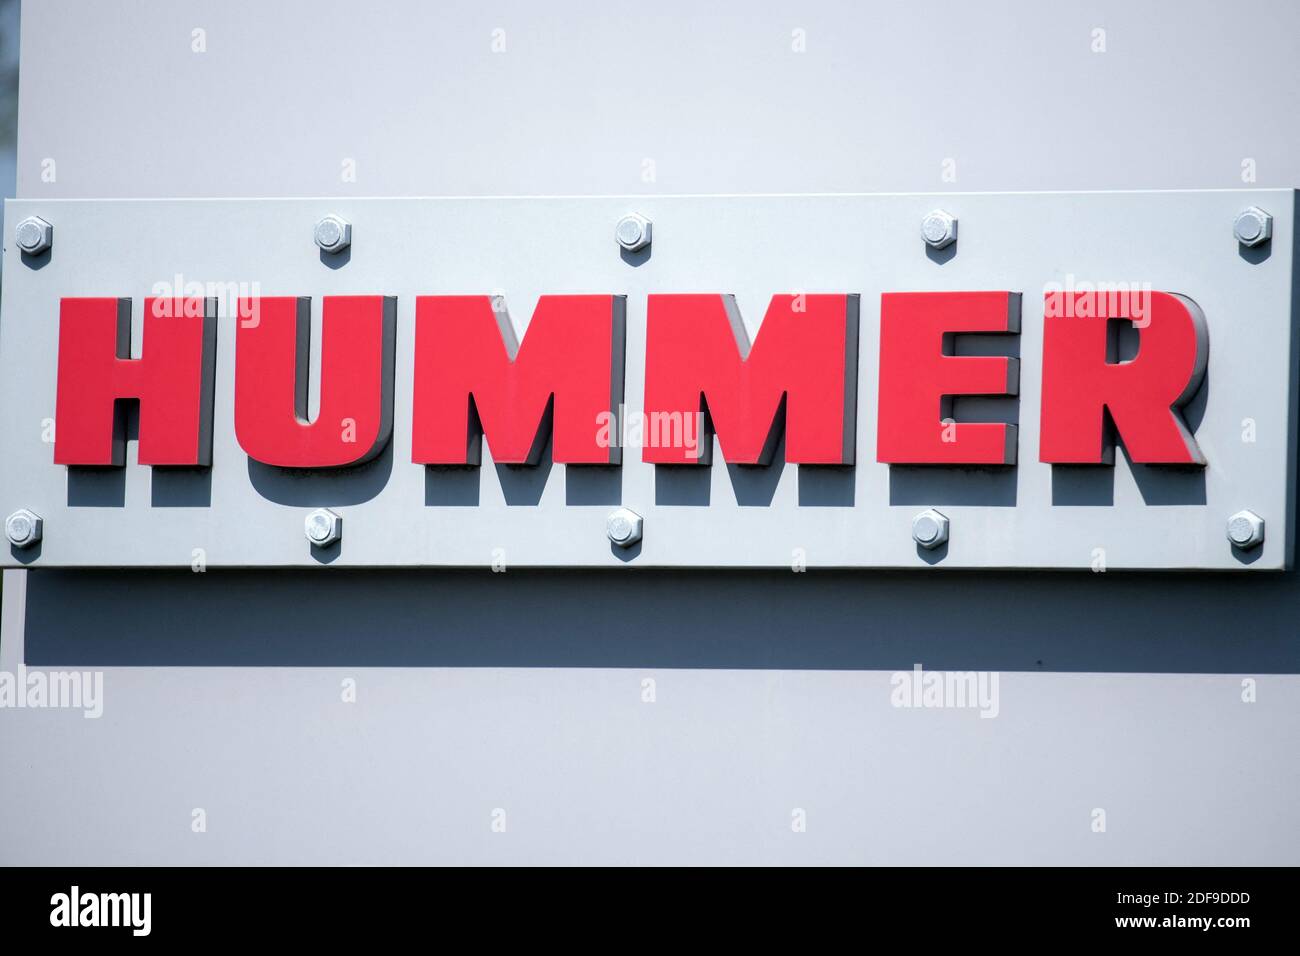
<point>1079,381</point>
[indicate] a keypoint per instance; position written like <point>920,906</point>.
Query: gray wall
<point>522,690</point>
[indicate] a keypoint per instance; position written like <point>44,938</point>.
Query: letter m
<point>800,373</point>
<point>473,378</point>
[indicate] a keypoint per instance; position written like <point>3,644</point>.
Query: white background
<point>522,690</point>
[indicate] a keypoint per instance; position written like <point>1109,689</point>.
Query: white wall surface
<point>523,690</point>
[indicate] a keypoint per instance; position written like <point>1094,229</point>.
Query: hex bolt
<point>1246,530</point>
<point>323,527</point>
<point>939,229</point>
<point>930,529</point>
<point>23,528</point>
<point>633,232</point>
<point>34,235</point>
<point>623,526</point>
<point>1253,226</point>
<point>333,234</point>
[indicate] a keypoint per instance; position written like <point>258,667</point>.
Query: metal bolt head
<point>930,529</point>
<point>1253,226</point>
<point>23,528</point>
<point>633,232</point>
<point>34,235</point>
<point>623,527</point>
<point>323,527</point>
<point>1246,529</point>
<point>333,234</point>
<point>939,229</point>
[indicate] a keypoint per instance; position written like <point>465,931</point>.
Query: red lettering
<point>1083,382</point>
<point>356,390</point>
<point>172,380</point>
<point>473,378</point>
<point>803,362</point>
<point>919,373</point>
